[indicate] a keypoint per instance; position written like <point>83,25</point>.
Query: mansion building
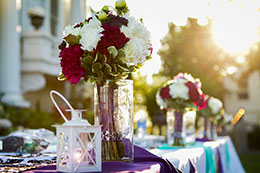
<point>29,62</point>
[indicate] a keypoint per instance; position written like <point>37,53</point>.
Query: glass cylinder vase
<point>180,127</point>
<point>213,130</point>
<point>206,128</point>
<point>114,112</point>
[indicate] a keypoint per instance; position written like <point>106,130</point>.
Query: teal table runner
<point>210,159</point>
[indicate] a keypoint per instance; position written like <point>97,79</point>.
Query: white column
<point>77,11</point>
<point>60,16</point>
<point>10,59</point>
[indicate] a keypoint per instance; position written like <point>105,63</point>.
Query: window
<point>243,95</point>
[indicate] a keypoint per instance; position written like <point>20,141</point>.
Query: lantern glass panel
<point>63,157</point>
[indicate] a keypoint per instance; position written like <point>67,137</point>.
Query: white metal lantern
<point>78,142</point>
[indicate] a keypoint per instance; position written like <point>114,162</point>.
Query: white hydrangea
<point>91,34</point>
<point>179,90</point>
<point>71,30</point>
<point>180,80</point>
<point>215,105</point>
<point>135,51</point>
<point>135,28</point>
<point>160,101</point>
<point>189,77</point>
<point>139,37</point>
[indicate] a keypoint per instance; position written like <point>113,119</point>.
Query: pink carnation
<point>71,64</point>
<point>179,76</point>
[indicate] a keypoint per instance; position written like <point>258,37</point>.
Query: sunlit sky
<point>236,24</point>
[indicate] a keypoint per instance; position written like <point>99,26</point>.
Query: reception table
<point>203,156</point>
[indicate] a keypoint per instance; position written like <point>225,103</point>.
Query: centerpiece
<point>213,109</point>
<point>104,49</point>
<point>178,97</point>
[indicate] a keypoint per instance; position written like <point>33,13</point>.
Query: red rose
<point>195,95</point>
<point>201,103</point>
<point>165,92</point>
<point>112,36</point>
<point>71,64</point>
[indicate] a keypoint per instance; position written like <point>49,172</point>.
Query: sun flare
<point>235,28</point>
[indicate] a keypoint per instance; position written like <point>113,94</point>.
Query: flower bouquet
<point>180,95</point>
<point>210,114</point>
<point>223,120</point>
<point>104,49</point>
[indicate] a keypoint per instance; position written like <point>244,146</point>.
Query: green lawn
<point>251,161</point>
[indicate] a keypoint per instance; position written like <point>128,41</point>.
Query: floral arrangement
<point>183,92</point>
<point>224,119</point>
<point>214,108</point>
<point>109,45</point>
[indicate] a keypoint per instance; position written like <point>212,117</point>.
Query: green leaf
<point>91,79</point>
<point>72,40</point>
<point>88,60</point>
<point>125,74</point>
<point>100,74</point>
<point>148,57</point>
<point>102,58</point>
<point>96,67</point>
<point>105,9</point>
<point>108,68</point>
<point>114,74</point>
<point>112,51</point>
<point>122,69</point>
<point>121,62</point>
<point>132,69</point>
<point>114,68</point>
<point>121,54</point>
<point>96,57</point>
<point>61,77</point>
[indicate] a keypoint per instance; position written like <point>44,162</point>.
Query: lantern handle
<point>56,105</point>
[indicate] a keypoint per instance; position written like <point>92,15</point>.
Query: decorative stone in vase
<point>114,112</point>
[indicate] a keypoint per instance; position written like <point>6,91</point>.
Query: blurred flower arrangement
<point>212,115</point>
<point>183,92</point>
<point>213,108</point>
<point>108,45</point>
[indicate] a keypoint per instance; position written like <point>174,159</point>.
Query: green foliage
<point>61,77</point>
<point>191,49</point>
<point>206,112</point>
<point>144,94</point>
<point>72,40</point>
<point>101,68</point>
<point>180,104</point>
<point>253,60</point>
<point>121,7</point>
<point>33,119</point>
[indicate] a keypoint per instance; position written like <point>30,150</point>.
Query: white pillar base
<point>15,100</point>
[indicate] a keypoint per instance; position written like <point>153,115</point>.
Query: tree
<point>191,49</point>
<point>253,58</point>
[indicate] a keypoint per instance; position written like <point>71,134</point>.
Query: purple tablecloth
<point>143,161</point>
